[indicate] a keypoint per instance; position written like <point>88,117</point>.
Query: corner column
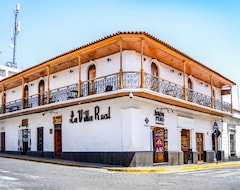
<point>79,77</point>
<point>142,66</point>
<point>120,70</point>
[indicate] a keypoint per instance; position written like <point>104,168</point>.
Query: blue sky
<point>206,30</point>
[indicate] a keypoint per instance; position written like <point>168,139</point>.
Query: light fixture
<point>71,71</point>
<point>13,91</point>
<point>31,84</point>
<point>171,70</point>
<point>169,110</point>
<point>131,95</point>
<point>54,76</point>
<point>108,59</point>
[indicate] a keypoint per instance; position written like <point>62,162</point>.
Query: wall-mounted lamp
<point>108,59</point>
<point>13,91</point>
<point>71,71</point>
<point>180,74</point>
<point>169,110</point>
<point>31,84</point>
<point>144,59</point>
<point>54,76</point>
<point>171,70</point>
<point>131,95</point>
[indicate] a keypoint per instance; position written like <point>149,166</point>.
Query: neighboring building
<point>127,99</point>
<point>231,136</point>
<point>6,71</point>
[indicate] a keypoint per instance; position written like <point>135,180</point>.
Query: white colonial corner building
<point>127,99</point>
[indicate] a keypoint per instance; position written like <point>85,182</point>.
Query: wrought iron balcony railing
<point>131,80</point>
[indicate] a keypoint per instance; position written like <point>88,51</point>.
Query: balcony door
<point>26,95</point>
<point>154,77</point>
<point>91,80</point>
<point>41,90</point>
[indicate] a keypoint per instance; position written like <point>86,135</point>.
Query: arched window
<point>190,95</point>
<point>25,96</point>
<point>91,78</point>
<point>41,90</point>
<point>154,77</point>
<point>190,86</point>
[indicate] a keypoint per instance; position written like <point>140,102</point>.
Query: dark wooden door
<point>40,139</point>
<point>3,142</point>
<point>199,143</point>
<point>58,140</point>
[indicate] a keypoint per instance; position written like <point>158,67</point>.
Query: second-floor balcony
<point>130,80</point>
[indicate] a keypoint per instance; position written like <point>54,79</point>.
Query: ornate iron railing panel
<point>198,98</point>
<point>100,85</point>
<point>131,80</point>
<point>223,106</point>
<point>64,93</point>
<point>171,89</point>
<point>152,82</point>
<point>13,106</point>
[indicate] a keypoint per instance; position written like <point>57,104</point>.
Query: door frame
<point>58,140</point>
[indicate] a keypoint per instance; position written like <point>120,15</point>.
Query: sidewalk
<point>160,168</point>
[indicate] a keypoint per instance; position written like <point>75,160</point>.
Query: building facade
<point>127,99</point>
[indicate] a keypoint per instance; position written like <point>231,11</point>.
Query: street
<point>22,175</point>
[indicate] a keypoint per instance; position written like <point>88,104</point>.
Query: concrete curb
<point>154,169</point>
<point>180,169</point>
<point>66,163</point>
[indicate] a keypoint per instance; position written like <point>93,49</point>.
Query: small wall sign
<point>159,117</point>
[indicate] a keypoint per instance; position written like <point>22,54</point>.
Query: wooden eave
<point>152,47</point>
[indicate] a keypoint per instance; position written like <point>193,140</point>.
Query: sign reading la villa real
<point>86,116</point>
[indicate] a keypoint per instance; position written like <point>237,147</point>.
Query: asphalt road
<point>19,175</point>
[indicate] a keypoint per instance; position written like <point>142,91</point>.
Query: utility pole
<point>14,33</point>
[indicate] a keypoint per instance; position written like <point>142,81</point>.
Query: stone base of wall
<point>175,158</point>
<point>209,156</point>
<point>127,159</point>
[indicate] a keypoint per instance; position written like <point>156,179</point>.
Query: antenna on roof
<point>13,35</point>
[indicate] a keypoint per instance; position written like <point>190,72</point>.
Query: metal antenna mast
<point>14,33</point>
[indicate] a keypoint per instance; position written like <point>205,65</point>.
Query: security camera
<point>130,95</point>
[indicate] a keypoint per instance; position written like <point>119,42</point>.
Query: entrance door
<point>58,139</point>
<point>158,140</point>
<point>199,145</point>
<point>25,141</point>
<point>40,139</point>
<point>2,141</point>
<point>185,138</point>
